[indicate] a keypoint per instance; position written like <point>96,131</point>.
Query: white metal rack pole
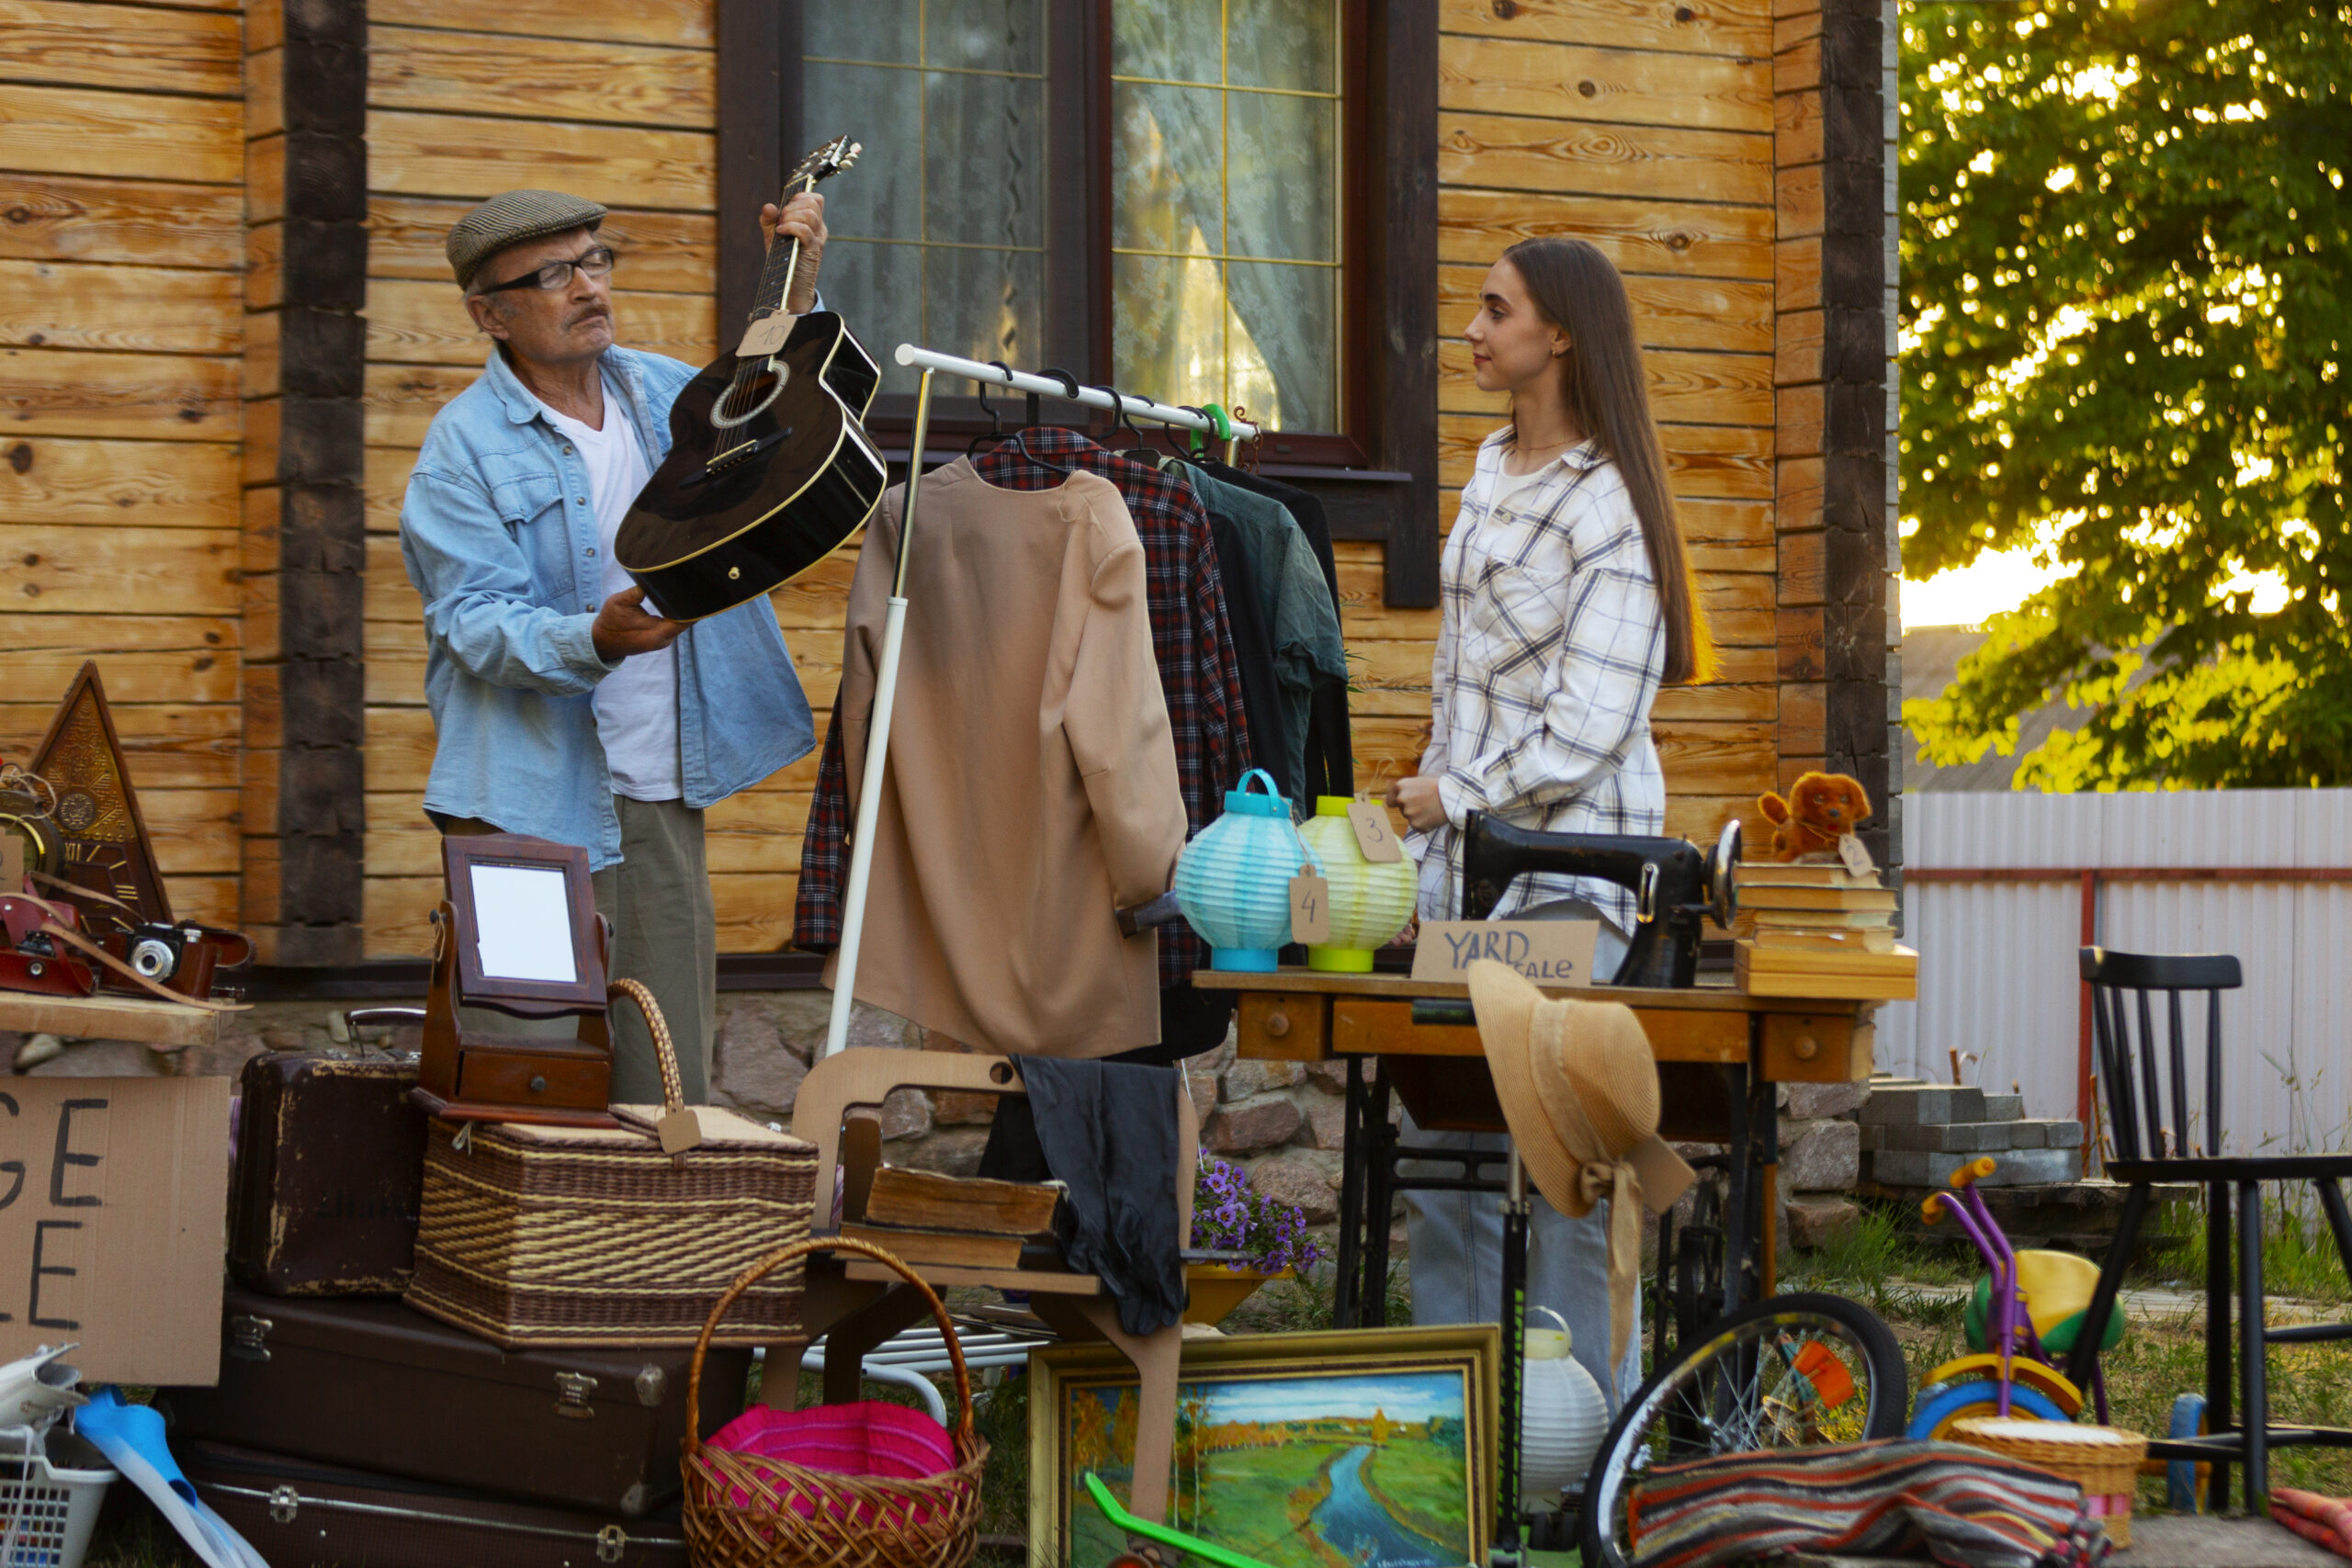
<point>894,624</point>
<point>1048,387</point>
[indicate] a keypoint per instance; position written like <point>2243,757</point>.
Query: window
<point>1224,209</point>
<point>1222,138</point>
<point>939,232</point>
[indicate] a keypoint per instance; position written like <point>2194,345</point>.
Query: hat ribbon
<point>1616,1180</point>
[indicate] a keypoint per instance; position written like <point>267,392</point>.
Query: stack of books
<point>956,1222</point>
<point>1810,929</point>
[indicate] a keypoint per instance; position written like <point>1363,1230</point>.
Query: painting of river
<point>1309,1470</point>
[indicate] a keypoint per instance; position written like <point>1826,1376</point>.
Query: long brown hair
<point>1576,289</point>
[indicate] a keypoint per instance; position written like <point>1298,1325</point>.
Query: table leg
<point>1380,1200</point>
<point>1766,1120</point>
<point>1344,1295</point>
<point>1738,1233</point>
<point>1509,1384</point>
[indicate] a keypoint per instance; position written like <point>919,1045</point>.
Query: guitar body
<point>739,509</point>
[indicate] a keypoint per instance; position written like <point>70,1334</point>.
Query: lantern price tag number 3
<point>1373,835</point>
<point>1310,909</point>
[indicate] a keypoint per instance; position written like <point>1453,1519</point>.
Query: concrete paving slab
<point>2194,1540</point>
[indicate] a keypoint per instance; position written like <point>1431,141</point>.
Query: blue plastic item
<point>2023,1401</point>
<point>132,1436</point>
<point>2185,1479</point>
<point>1233,880</point>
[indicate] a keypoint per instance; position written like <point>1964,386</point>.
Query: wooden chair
<point>2146,1084</point>
<point>857,1304</point>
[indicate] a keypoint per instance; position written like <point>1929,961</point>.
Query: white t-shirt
<point>1508,484</point>
<point>637,704</point>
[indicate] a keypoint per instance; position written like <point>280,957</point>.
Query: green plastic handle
<point>1128,1523</point>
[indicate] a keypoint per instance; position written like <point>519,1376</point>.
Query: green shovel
<point>1128,1524</point>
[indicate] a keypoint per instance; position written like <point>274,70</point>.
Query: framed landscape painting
<point>1367,1449</point>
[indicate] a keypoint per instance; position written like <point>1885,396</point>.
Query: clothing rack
<point>931,362</point>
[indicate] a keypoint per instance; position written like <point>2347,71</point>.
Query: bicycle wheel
<point>1797,1370</point>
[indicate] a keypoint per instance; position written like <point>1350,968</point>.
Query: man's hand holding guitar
<point>802,219</point>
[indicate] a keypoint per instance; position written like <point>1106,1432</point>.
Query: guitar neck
<point>783,266</point>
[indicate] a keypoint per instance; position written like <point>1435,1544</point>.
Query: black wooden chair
<point>2154,1122</point>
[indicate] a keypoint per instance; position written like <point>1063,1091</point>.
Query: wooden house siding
<point>121,242</point>
<point>199,470</point>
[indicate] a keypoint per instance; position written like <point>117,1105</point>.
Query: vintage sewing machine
<point>1675,885</point>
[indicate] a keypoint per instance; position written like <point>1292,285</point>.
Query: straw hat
<point>1578,1087</point>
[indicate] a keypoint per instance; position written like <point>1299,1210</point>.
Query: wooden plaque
<point>100,831</point>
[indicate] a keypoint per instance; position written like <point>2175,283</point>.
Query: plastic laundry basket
<point>51,1487</point>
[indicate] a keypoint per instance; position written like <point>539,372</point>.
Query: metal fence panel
<point>1996,960</point>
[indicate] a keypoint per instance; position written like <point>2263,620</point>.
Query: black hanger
<point>1021,438</point>
<point>1196,441</point>
<point>1141,451</point>
<point>996,423</point>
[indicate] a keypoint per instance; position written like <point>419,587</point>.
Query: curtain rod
<point>1048,387</point>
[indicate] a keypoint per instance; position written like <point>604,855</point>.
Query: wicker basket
<point>564,1236</point>
<point>2105,1461</point>
<point>752,1511</point>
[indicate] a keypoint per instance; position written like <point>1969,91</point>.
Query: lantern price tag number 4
<point>1373,834</point>
<point>1310,909</point>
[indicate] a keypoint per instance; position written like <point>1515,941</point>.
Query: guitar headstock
<point>824,162</point>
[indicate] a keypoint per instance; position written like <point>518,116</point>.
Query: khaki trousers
<point>665,936</point>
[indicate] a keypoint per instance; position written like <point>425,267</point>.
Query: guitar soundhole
<point>752,390</point>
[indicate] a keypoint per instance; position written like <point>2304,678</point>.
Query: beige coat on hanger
<point>1032,787</point>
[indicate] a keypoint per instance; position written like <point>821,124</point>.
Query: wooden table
<point>161,1024</point>
<point>1720,1054</point>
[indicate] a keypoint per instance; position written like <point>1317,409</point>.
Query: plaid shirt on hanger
<point>1548,657</point>
<point>1199,675</point>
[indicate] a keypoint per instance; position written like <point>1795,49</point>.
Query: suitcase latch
<point>572,1390</point>
<point>249,1337</point>
<point>650,1383</point>
<point>612,1543</point>
<point>284,1504</point>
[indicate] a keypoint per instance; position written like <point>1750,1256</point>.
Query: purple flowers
<point>1228,1214</point>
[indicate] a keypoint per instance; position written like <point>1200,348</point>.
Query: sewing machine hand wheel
<point>1723,876</point>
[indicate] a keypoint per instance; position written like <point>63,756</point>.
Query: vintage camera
<point>156,952</point>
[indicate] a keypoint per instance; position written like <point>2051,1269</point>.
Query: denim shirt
<point>500,539</point>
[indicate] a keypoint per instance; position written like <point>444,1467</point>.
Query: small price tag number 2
<point>1857,859</point>
<point>1374,837</point>
<point>1310,909</point>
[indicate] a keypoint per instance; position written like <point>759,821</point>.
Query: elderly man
<point>562,708</point>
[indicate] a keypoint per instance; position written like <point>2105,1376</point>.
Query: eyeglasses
<point>557,274</point>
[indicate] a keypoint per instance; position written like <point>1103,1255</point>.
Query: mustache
<point>590,314</point>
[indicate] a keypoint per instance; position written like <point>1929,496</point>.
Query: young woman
<point>1567,600</point>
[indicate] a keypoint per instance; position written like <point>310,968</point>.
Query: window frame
<point>1377,475</point>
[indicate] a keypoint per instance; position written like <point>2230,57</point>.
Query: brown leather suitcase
<point>329,1168</point>
<point>300,1514</point>
<point>374,1386</point>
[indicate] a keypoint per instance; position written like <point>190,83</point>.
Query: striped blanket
<point>1962,1506</point>
<point>2325,1520</point>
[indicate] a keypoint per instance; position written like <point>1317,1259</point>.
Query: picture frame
<point>1280,1444</point>
<point>531,880</point>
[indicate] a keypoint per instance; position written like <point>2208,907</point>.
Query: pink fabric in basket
<point>871,1437</point>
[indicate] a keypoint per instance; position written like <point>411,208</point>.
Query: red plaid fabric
<point>1199,674</point>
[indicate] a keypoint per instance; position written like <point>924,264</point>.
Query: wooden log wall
<point>1648,129</point>
<point>121,207</point>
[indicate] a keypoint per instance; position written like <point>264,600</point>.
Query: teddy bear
<point>1820,809</point>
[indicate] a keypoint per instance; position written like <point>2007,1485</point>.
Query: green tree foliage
<point>2127,259</point>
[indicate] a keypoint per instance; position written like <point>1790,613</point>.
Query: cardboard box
<point>113,1222</point>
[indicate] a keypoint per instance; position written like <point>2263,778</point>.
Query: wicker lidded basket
<point>539,1237</point>
<point>745,1510</point>
<point>2105,1461</point>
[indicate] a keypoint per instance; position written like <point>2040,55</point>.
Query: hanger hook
<point>1119,419</point>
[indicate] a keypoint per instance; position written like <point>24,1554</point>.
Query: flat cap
<point>510,218</point>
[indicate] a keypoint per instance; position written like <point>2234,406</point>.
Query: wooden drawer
<point>1280,1027</point>
<point>1816,1048</point>
<point>565,1081</point>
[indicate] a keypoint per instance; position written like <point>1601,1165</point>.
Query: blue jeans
<point>1455,1240</point>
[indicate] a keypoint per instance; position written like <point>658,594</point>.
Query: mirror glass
<point>523,923</point>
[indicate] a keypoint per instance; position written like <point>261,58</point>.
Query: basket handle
<point>777,1259</point>
<point>674,1089</point>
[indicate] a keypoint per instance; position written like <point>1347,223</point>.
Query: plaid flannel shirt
<point>1199,674</point>
<point>1548,656</point>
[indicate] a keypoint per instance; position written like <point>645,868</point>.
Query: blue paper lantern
<point>1233,881</point>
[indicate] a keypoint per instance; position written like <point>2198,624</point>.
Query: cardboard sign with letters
<point>113,1219</point>
<point>1550,952</point>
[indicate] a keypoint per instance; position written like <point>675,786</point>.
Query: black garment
<point>1330,749</point>
<point>1253,646</point>
<point>1107,1132</point>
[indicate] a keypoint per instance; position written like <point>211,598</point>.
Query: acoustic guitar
<point>770,469</point>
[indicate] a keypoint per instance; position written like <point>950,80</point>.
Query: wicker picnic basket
<point>756,1511</point>
<point>539,1237</point>
<point>2104,1460</point>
